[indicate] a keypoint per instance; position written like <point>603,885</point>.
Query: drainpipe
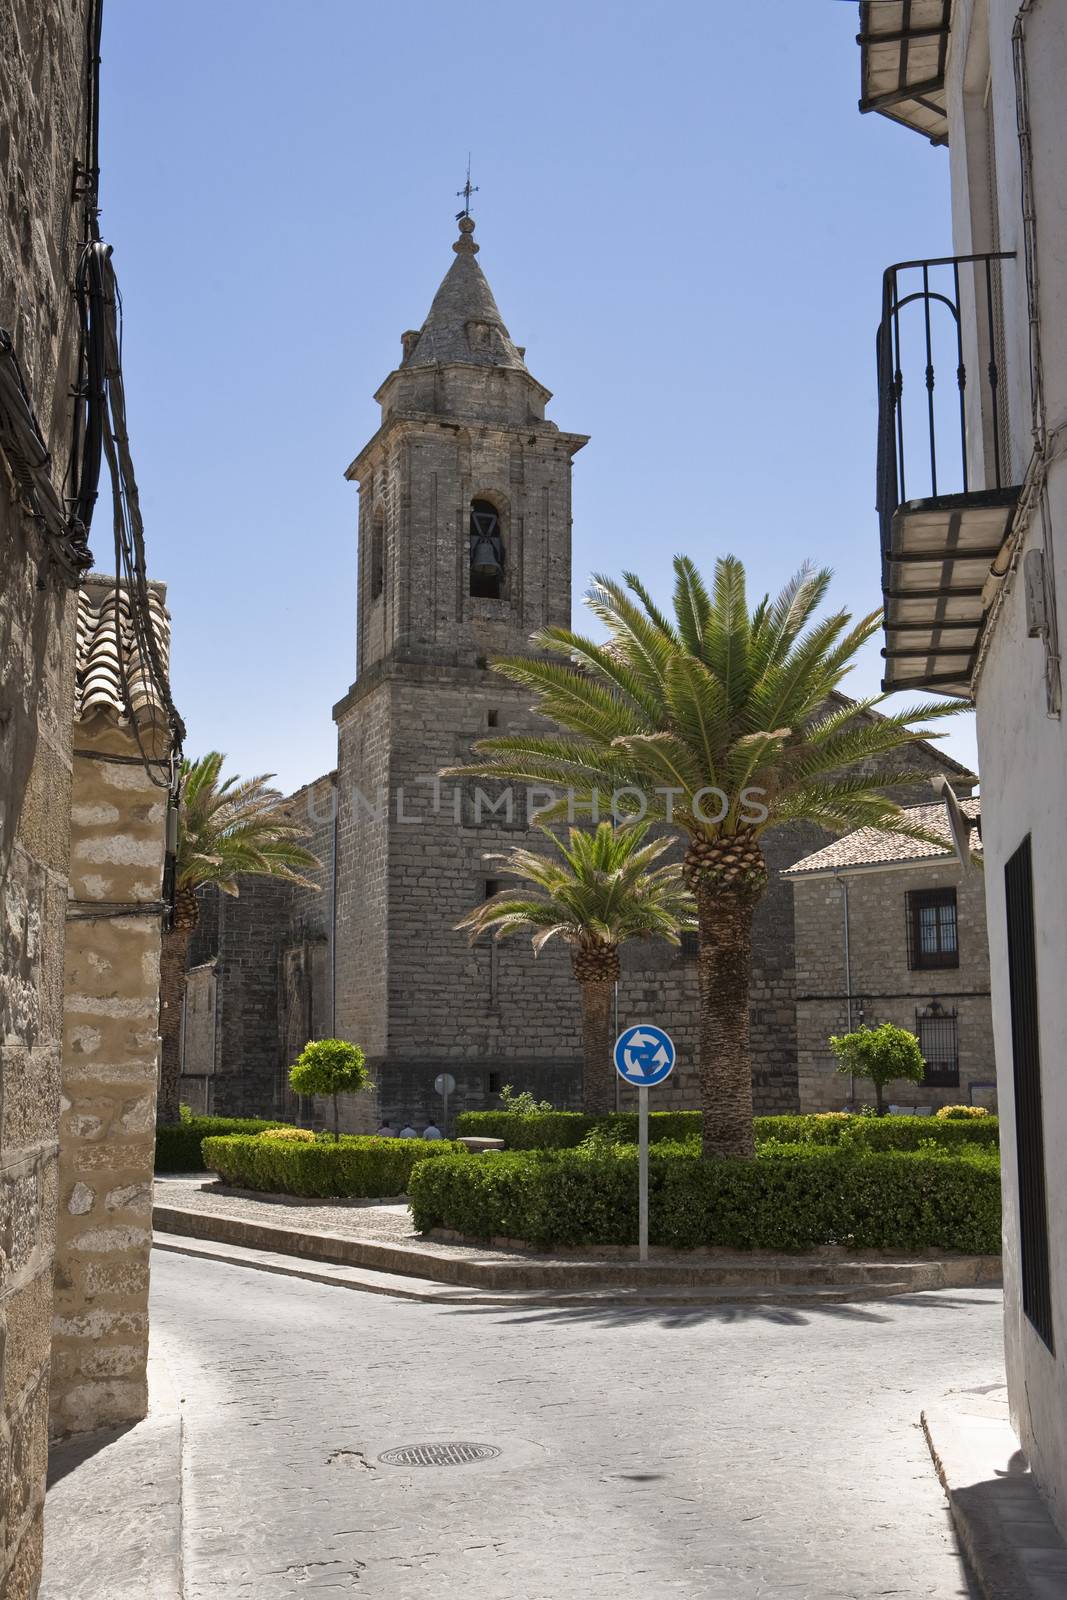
<point>842,884</point>
<point>618,1080</point>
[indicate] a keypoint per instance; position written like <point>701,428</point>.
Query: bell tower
<point>464,553</point>
<point>465,505</point>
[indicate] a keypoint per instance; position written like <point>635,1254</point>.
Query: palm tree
<point>225,827</point>
<point>696,711</point>
<point>601,888</point>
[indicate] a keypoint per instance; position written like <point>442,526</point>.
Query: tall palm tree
<point>226,826</point>
<point>600,889</point>
<point>715,697</point>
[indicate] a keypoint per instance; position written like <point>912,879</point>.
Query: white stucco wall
<point>1023,752</point>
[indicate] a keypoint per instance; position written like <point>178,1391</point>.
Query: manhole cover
<point>438,1455</point>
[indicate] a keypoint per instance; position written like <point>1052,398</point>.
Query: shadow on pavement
<point>689,1316</point>
<point>67,1455</point>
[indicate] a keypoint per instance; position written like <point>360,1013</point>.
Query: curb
<point>1008,1536</point>
<point>734,1276</point>
<point>406,1287</point>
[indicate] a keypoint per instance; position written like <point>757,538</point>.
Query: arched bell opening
<point>486,551</point>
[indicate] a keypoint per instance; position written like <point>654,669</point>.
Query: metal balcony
<point>937,548</point>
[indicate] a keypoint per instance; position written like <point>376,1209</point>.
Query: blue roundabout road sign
<point>644,1055</point>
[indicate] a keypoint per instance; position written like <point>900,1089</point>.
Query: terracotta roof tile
<point>871,847</point>
<point>103,625</point>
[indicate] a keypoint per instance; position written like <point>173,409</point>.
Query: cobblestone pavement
<point>731,1453</point>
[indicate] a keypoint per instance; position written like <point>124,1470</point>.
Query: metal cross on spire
<point>467,190</point>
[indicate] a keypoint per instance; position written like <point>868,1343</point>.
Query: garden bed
<point>559,1130</point>
<point>355,1168</point>
<point>791,1198</point>
<point>178,1144</point>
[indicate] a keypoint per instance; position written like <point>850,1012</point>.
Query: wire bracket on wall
<point>22,444</point>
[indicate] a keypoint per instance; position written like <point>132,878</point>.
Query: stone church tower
<point>464,552</point>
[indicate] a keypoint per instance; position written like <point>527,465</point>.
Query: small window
<point>938,1034</point>
<point>690,946</point>
<point>932,930</point>
<point>496,1082</point>
<point>377,556</point>
<point>486,551</point>
<point>493,886</point>
<point>492,719</point>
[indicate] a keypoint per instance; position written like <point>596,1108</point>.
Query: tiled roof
<point>872,847</point>
<point>103,624</point>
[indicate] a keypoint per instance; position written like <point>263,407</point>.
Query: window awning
<point>903,44</point>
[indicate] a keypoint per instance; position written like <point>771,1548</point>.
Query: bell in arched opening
<point>486,551</point>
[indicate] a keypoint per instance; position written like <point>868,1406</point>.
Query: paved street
<point>730,1453</point>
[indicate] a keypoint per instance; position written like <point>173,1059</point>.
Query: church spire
<point>464,324</point>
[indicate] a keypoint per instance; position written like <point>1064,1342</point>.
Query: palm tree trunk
<point>598,1074</point>
<point>172,964</point>
<point>724,966</point>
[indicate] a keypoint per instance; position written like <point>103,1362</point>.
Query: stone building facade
<point>42,59</point>
<point>110,1034</point>
<point>464,473</point>
<point>80,827</point>
<point>894,930</point>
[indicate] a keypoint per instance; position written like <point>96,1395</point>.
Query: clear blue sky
<point>682,215</point>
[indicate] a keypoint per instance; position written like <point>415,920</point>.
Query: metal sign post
<point>445,1085</point>
<point>642,1173</point>
<point>644,1056</point>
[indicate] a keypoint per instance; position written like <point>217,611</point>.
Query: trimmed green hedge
<point>792,1197</point>
<point>561,1130</point>
<point>357,1167</point>
<point>880,1133</point>
<point>178,1143</point>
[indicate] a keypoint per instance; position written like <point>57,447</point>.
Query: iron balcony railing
<point>920,427</point>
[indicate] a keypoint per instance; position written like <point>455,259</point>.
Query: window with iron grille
<point>1026,1077</point>
<point>933,935</point>
<point>937,1031</point>
<point>690,946</point>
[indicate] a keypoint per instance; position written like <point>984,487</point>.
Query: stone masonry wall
<point>110,1072</point>
<point>264,958</point>
<point>884,988</point>
<point>361,954</point>
<point>41,111</point>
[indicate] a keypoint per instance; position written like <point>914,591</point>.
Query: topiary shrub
<point>178,1144</point>
<point>886,1054</point>
<point>350,1167</point>
<point>289,1135</point>
<point>790,1198</point>
<point>330,1067</point>
<point>962,1113</point>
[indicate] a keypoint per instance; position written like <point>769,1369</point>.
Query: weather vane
<point>467,190</point>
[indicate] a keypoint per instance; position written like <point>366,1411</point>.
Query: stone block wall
<point>261,977</point>
<point>884,987</point>
<point>42,50</point>
<point>110,1071</point>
